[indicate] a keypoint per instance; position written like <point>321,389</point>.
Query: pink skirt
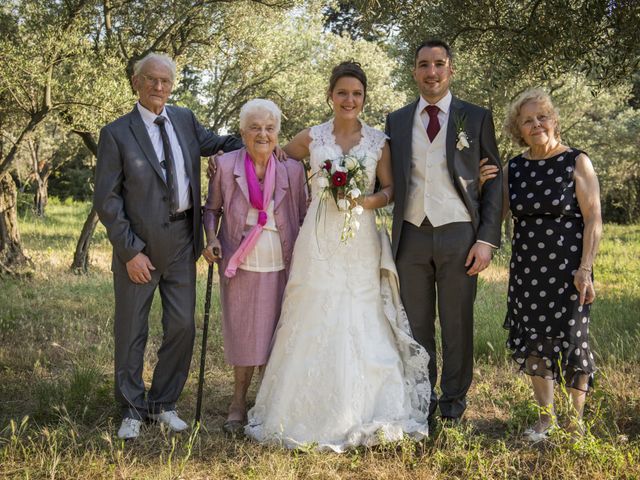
<point>251,304</point>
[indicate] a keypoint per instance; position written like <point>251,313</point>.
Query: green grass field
<point>58,418</point>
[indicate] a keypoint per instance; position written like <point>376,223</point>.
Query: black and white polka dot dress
<point>548,329</point>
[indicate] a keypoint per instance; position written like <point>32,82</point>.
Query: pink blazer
<point>228,204</point>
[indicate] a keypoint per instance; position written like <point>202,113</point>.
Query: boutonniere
<point>462,140</point>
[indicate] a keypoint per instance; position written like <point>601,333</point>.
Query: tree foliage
<point>43,53</point>
<point>286,57</point>
<point>541,39</point>
<point>73,59</point>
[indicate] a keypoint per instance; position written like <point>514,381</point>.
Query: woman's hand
<point>213,251</point>
<point>584,285</point>
<point>487,172</point>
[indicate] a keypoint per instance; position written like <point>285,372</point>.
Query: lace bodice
<point>324,147</point>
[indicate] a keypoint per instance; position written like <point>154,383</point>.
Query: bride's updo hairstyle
<point>350,68</point>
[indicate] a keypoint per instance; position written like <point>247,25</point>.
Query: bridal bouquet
<point>344,180</point>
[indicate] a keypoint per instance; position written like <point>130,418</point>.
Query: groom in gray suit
<point>444,230</point>
<point>147,195</point>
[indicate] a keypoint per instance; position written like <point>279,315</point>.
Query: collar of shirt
<point>443,104</point>
<point>443,115</point>
<point>148,117</point>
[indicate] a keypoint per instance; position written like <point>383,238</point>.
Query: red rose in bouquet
<point>339,179</point>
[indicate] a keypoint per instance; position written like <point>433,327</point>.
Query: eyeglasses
<point>255,129</point>
<point>538,119</point>
<point>164,82</point>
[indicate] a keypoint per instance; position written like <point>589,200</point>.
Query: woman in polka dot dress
<point>553,194</point>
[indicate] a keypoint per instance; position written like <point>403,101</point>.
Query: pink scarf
<point>260,201</point>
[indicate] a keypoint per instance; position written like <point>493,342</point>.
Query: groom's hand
<point>478,259</point>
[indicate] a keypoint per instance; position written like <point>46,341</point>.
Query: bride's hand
<point>212,164</point>
<point>353,202</point>
<point>280,154</point>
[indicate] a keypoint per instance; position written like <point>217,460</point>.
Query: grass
<point>58,418</point>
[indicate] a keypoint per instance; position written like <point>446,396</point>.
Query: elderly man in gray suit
<point>444,230</point>
<point>147,195</point>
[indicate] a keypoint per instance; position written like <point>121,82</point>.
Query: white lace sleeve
<point>321,135</point>
<point>322,144</point>
<point>374,140</point>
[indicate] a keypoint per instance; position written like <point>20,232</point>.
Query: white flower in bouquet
<point>322,181</point>
<point>343,204</point>
<point>351,162</point>
<point>354,192</point>
<point>358,209</point>
<point>337,167</point>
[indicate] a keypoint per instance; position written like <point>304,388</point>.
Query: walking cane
<point>205,328</point>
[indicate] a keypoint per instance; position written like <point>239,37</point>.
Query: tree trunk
<point>81,257</point>
<point>41,197</point>
<point>13,261</point>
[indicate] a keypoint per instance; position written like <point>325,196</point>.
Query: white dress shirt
<point>266,255</point>
<point>181,178</point>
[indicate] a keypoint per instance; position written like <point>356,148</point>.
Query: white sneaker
<point>171,419</point>
<point>129,428</point>
<point>534,437</point>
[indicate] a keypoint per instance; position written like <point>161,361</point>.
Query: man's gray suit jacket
<point>131,194</point>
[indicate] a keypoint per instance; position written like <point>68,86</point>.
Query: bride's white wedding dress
<point>344,369</point>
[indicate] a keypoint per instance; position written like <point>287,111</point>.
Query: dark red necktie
<point>434,125</point>
<point>168,165</point>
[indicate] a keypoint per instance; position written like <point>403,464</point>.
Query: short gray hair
<point>511,124</point>
<point>156,57</point>
<point>259,105</point>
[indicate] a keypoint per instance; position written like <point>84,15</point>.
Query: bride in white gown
<point>344,369</point>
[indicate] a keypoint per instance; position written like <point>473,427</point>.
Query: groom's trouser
<point>430,262</point>
<point>176,283</point>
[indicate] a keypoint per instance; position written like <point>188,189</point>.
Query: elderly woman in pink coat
<point>253,213</point>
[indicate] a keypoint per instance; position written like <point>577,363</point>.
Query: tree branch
<point>88,140</point>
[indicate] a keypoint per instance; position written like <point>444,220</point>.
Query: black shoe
<point>451,421</point>
<point>432,422</point>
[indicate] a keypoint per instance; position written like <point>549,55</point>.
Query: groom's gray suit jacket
<point>485,209</point>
